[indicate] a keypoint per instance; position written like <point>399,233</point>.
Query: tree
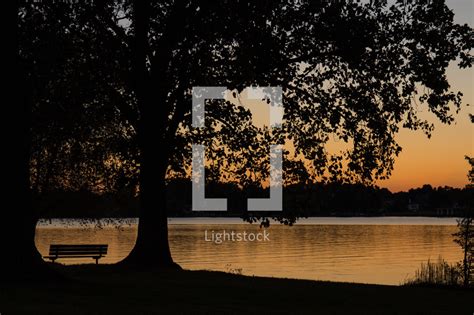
<point>63,118</point>
<point>23,261</point>
<point>347,69</point>
<point>465,238</point>
<point>355,71</point>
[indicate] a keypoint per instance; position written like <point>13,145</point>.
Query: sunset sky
<point>438,161</point>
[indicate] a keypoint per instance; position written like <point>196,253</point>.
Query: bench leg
<point>96,261</point>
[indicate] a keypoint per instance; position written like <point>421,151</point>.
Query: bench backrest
<point>78,250</point>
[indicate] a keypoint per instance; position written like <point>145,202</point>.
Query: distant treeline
<point>332,199</point>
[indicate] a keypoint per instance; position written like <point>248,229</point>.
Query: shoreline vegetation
<point>115,222</point>
<point>440,273</point>
<point>114,290</point>
<point>437,273</point>
<point>313,200</point>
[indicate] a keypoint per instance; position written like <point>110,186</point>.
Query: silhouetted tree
<point>356,71</point>
<point>347,69</point>
<point>465,235</point>
<point>21,259</point>
<point>65,133</point>
<point>465,238</point>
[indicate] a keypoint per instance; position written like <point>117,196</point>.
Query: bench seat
<point>94,251</point>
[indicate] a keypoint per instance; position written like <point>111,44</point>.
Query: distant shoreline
<point>381,220</point>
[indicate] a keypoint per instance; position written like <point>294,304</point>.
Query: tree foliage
<point>113,80</point>
<point>350,70</point>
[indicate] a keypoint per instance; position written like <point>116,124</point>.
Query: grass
<point>437,273</point>
<point>107,289</point>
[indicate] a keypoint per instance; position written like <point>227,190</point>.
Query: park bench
<point>77,251</point>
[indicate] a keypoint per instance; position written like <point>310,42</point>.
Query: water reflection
<point>370,253</point>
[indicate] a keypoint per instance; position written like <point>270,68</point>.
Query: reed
<point>437,273</point>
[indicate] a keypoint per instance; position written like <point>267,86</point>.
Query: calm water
<point>370,250</point>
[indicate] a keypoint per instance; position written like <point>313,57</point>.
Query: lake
<point>383,250</point>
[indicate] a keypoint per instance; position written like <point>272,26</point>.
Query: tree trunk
<point>152,248</point>
<point>24,260</point>
<point>21,259</point>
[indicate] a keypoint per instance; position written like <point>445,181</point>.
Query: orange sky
<point>440,160</point>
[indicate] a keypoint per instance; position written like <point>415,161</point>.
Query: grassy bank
<point>106,289</point>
